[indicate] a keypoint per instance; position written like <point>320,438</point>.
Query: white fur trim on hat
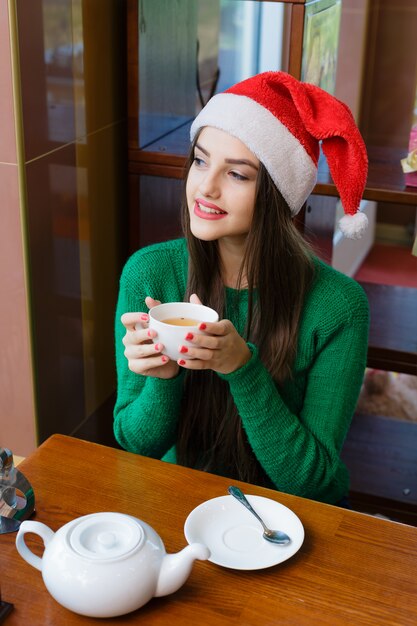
<point>290,167</point>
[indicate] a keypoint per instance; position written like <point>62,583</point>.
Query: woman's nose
<point>210,185</point>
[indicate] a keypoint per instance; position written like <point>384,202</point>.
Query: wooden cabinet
<point>157,150</point>
<point>393,331</point>
<point>156,158</point>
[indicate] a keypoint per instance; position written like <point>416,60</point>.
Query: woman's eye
<point>198,160</point>
<point>238,176</point>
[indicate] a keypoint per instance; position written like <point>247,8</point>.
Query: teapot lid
<point>104,536</point>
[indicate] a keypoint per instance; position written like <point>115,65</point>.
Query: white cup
<point>172,335</point>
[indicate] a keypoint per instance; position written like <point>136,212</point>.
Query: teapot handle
<point>38,529</point>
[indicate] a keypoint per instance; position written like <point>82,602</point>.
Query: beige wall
<point>17,406</point>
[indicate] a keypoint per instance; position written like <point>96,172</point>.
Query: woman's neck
<point>231,255</point>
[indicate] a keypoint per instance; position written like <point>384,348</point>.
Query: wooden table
<point>352,568</point>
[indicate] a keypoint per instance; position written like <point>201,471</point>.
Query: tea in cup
<point>173,320</point>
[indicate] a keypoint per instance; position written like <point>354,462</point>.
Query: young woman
<point>269,394</point>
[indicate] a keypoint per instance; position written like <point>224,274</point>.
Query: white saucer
<point>234,536</point>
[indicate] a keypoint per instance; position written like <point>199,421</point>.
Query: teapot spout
<point>176,568</point>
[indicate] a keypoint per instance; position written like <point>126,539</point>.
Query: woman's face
<point>221,187</point>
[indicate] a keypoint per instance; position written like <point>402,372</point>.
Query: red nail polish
<point>164,359</point>
<point>144,317</point>
<point>189,336</point>
<point>158,347</point>
<point>181,362</point>
<point>149,333</point>
<point>202,326</point>
<point>183,349</point>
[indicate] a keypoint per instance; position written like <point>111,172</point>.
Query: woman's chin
<point>204,233</point>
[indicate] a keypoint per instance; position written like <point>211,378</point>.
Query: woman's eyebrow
<point>242,162</point>
<point>197,145</point>
<point>231,161</point>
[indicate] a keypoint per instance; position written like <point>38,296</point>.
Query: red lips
<point>207,215</point>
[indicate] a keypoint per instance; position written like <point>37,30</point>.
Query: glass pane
<point>191,49</point>
<point>159,198</point>
<point>321,42</point>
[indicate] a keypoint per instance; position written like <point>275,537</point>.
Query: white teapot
<point>107,564</point>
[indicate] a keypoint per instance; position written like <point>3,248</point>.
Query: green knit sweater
<point>297,432</point>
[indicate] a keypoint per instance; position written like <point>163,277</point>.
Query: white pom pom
<point>353,226</point>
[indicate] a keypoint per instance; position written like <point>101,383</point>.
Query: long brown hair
<point>279,270</point>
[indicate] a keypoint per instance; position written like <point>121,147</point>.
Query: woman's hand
<point>144,356</point>
<point>219,347</point>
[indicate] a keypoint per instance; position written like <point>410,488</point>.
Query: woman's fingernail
<point>183,349</point>
<point>150,333</point>
<point>158,347</point>
<point>181,362</point>
<point>144,317</point>
<point>202,326</point>
<point>189,336</point>
<point>164,359</point>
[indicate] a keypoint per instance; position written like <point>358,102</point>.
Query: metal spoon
<point>275,536</point>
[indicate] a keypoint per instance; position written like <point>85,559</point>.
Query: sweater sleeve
<point>301,452</point>
<point>147,408</point>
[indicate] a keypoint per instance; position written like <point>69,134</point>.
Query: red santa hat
<point>282,121</point>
